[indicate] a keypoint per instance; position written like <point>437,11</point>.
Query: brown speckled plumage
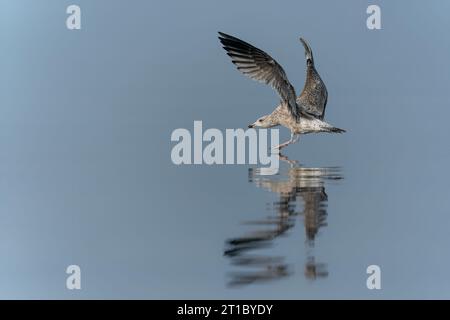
<point>314,96</point>
<point>301,115</point>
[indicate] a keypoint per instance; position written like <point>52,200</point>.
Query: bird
<point>301,115</point>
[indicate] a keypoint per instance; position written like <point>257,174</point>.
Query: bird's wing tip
<point>223,35</point>
<point>304,42</point>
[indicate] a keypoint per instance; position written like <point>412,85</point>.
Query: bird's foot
<point>285,158</point>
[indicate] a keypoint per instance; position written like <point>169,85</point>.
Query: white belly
<point>311,125</point>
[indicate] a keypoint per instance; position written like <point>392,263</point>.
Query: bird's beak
<point>251,125</point>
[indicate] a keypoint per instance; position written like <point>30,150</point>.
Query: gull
<point>301,115</point>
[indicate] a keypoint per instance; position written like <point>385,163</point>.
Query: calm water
<point>86,176</point>
<point>299,198</point>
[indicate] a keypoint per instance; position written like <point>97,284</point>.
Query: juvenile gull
<point>301,115</point>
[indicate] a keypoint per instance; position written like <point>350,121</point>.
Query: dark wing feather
<point>259,66</point>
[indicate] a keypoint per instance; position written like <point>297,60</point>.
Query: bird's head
<point>263,122</point>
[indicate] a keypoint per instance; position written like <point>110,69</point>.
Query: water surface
<point>86,176</point>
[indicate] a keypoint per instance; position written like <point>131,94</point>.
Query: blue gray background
<point>85,170</point>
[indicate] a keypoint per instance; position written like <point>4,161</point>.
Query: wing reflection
<point>301,192</point>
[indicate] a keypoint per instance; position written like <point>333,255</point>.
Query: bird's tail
<point>336,130</point>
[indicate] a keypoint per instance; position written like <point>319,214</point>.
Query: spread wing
<point>259,66</point>
<point>314,96</point>
<point>313,99</point>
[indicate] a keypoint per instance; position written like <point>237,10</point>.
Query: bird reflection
<point>301,192</point>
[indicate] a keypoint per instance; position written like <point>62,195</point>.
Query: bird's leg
<point>294,138</point>
<point>292,163</point>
